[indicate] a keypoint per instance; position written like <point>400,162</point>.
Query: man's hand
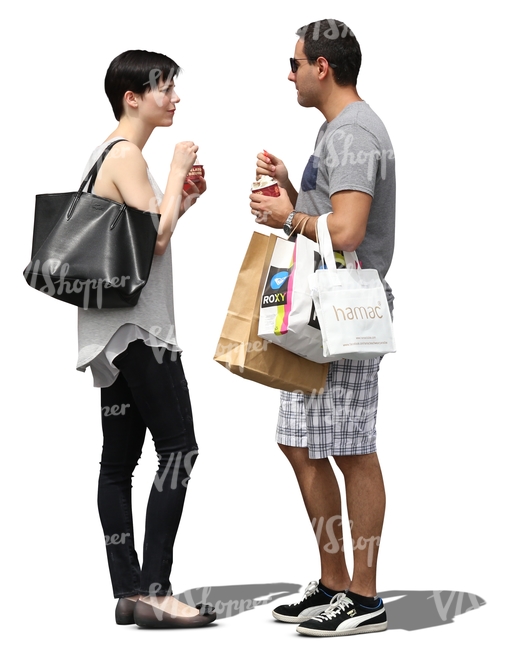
<point>271,211</point>
<point>269,165</point>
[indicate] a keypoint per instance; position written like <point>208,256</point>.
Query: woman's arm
<point>123,177</point>
<point>173,204</point>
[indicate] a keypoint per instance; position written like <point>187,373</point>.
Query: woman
<point>135,358</point>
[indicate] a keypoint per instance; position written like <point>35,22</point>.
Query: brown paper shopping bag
<point>242,351</point>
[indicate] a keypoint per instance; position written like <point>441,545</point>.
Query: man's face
<point>304,79</point>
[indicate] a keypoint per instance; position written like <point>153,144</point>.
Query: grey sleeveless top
<point>105,333</point>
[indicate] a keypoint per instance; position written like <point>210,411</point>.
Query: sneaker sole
<point>363,629</point>
<point>299,619</point>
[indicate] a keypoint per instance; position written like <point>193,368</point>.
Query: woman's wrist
<point>178,174</point>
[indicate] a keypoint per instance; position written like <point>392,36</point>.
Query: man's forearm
<point>292,192</point>
<point>305,224</point>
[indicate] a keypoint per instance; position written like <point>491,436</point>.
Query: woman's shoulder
<point>122,149</point>
<point>124,155</point>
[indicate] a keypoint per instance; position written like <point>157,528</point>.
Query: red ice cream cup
<point>195,173</point>
<point>268,190</point>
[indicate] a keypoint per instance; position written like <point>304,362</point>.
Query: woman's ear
<point>131,99</point>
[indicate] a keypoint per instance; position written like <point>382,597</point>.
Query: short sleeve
<point>352,159</point>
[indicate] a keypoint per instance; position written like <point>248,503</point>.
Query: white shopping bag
<point>287,313</point>
<point>351,305</point>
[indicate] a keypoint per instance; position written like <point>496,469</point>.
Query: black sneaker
<point>343,617</point>
<point>314,601</point>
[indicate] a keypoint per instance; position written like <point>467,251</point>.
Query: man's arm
<point>347,222</point>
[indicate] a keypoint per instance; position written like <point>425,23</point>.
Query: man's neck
<point>338,99</point>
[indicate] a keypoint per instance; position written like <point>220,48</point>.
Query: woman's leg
<point>123,437</point>
<point>160,392</point>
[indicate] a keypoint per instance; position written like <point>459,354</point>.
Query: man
<point>351,176</point>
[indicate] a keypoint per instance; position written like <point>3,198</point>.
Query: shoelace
<point>339,602</point>
<point>310,590</point>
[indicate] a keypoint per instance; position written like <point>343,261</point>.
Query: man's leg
<point>366,501</point>
<point>358,610</point>
<point>341,424</point>
<point>321,495</point>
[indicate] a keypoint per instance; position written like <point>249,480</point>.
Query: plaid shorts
<point>340,421</point>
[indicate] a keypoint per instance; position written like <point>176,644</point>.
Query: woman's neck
<point>133,130</point>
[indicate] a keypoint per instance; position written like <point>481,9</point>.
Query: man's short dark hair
<point>333,40</point>
<point>138,71</point>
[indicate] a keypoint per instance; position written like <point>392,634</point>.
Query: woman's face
<point>158,105</point>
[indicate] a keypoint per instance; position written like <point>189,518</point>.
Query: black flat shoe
<point>151,617</point>
<point>124,611</point>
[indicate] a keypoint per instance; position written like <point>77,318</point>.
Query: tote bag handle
<point>323,237</point>
<point>91,176</point>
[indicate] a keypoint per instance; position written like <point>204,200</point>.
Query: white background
<point>438,76</point>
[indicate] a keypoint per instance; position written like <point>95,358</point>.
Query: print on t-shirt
<point>310,173</point>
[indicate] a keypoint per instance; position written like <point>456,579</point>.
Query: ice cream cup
<point>272,189</point>
<point>195,173</point>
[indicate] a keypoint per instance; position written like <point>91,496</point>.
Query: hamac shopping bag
<point>351,305</point>
<point>242,351</point>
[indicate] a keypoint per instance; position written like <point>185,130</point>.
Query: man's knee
<point>356,463</point>
<point>294,453</point>
<point>301,462</point>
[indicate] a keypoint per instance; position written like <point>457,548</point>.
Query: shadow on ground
<point>418,610</point>
<point>230,600</point>
<point>407,610</point>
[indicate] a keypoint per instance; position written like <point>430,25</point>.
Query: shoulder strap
<point>90,179</point>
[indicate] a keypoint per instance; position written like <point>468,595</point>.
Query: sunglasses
<point>294,64</point>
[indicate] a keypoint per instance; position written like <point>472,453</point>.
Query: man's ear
<point>131,99</point>
<point>323,67</point>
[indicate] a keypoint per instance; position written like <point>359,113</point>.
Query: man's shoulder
<point>359,114</point>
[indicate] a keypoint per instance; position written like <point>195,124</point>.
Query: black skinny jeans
<point>150,392</point>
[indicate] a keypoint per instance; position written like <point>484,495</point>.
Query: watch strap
<point>287,226</point>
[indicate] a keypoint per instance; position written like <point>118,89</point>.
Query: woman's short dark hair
<point>333,40</point>
<point>138,71</point>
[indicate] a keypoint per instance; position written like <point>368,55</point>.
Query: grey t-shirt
<point>354,152</point>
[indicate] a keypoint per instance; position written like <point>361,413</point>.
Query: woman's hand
<point>269,165</point>
<point>191,193</point>
<point>185,154</point>
<point>177,199</point>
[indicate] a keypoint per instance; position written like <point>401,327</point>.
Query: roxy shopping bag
<point>287,315</point>
<point>242,351</point>
<point>351,305</point>
<point>287,312</point>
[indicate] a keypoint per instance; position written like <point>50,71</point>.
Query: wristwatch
<point>287,227</point>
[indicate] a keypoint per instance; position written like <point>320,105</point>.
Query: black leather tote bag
<point>89,251</point>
